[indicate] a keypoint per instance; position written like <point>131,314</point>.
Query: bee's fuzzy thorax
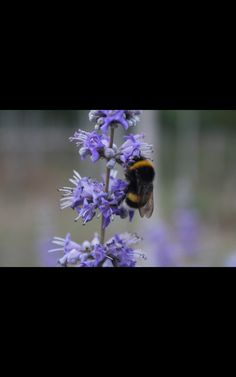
<point>141,164</point>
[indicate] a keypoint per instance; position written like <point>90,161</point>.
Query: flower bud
<point>109,152</point>
<point>86,245</point>
<point>111,163</point>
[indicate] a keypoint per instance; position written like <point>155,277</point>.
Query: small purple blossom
<point>86,191</point>
<point>121,253</point>
<point>91,144</point>
<point>117,188</point>
<point>71,249</point>
<point>105,118</point>
<point>114,253</point>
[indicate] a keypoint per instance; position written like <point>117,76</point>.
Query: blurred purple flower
<point>166,251</point>
<point>174,243</point>
<point>88,196</point>
<point>114,253</point>
<point>187,229</point>
<point>42,246</point>
<point>104,118</point>
<point>230,260</point>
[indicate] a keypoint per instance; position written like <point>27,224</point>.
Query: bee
<point>140,176</point>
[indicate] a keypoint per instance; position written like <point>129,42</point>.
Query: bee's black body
<point>140,175</point>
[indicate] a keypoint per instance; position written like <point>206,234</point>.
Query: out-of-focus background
<point>194,221</point>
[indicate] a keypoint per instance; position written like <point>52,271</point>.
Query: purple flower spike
<point>89,197</point>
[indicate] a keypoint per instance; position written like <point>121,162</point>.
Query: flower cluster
<point>114,253</point>
<point>89,197</point>
<point>97,146</point>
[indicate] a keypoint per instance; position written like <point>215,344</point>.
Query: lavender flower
<point>105,118</point>
<point>114,253</point>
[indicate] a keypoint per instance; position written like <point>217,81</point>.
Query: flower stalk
<point>108,172</point>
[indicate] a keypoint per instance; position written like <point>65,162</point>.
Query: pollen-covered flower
<point>88,196</point>
<point>105,118</point>
<point>114,253</point>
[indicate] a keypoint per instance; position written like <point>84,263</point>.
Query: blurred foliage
<point>45,117</point>
<point>207,118</point>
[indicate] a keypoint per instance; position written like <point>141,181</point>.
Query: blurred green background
<point>195,158</point>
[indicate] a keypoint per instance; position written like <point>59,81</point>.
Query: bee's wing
<point>147,209</point>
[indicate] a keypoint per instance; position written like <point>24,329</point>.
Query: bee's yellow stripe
<point>140,164</point>
<point>133,197</point>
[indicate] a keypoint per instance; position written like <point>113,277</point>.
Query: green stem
<point>108,172</point>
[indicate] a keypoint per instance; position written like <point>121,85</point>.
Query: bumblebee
<point>140,175</point>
